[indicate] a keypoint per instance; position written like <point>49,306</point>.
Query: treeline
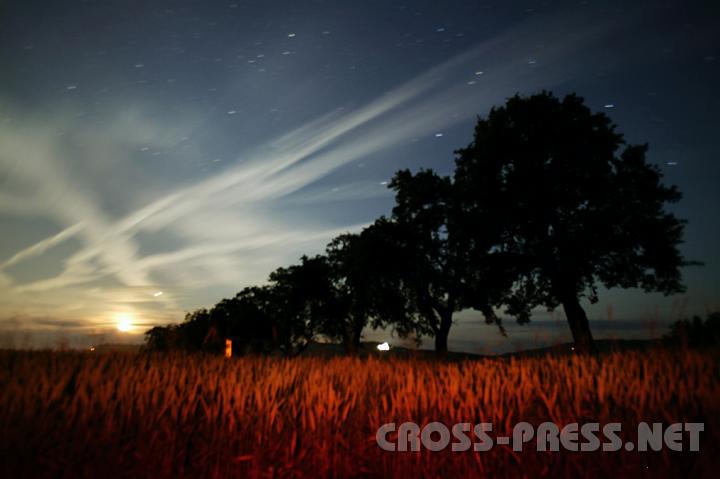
<point>695,332</point>
<point>334,296</point>
<point>545,204</point>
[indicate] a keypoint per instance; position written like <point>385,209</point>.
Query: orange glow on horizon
<point>124,322</point>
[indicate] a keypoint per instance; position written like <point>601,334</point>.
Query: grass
<point>133,415</point>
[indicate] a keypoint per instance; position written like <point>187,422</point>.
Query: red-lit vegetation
<point>82,415</point>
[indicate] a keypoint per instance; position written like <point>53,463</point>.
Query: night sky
<point>157,156</point>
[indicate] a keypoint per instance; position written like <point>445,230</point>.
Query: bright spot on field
<point>123,322</point>
<point>383,347</point>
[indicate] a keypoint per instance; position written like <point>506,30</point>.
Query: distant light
<point>609,105</point>
<point>92,349</point>
<point>438,135</point>
<point>231,112</point>
<point>158,293</point>
<point>123,322</point>
<point>384,183</point>
<point>478,73</point>
<point>383,347</point>
<point>572,348</point>
<point>291,35</point>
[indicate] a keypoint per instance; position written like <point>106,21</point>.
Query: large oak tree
<point>577,206</point>
<point>449,265</point>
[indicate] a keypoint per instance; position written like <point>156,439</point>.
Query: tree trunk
<point>441,335</point>
<point>579,326</point>
<point>349,346</point>
<point>351,341</point>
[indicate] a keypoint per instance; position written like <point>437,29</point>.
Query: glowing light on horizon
<point>383,347</point>
<point>123,322</point>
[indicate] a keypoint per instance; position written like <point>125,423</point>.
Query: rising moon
<point>123,322</point>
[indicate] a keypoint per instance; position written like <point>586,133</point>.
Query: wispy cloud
<point>42,246</point>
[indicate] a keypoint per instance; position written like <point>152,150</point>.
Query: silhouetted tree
<point>576,205</point>
<point>367,273</point>
<point>192,331</point>
<point>248,319</point>
<point>348,281</point>
<point>245,318</point>
<point>161,338</point>
<point>445,268</point>
<point>187,336</point>
<point>305,303</point>
<point>301,302</point>
<point>696,332</point>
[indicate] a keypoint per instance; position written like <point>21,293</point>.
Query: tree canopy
<point>579,207</point>
<point>446,261</point>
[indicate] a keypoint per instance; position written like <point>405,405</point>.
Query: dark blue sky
<point>190,147</point>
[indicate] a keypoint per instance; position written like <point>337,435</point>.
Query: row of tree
<point>546,203</point>
<point>695,333</point>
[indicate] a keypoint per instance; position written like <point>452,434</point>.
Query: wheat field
<point>136,415</point>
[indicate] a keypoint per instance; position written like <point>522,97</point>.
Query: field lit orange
<point>73,414</point>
